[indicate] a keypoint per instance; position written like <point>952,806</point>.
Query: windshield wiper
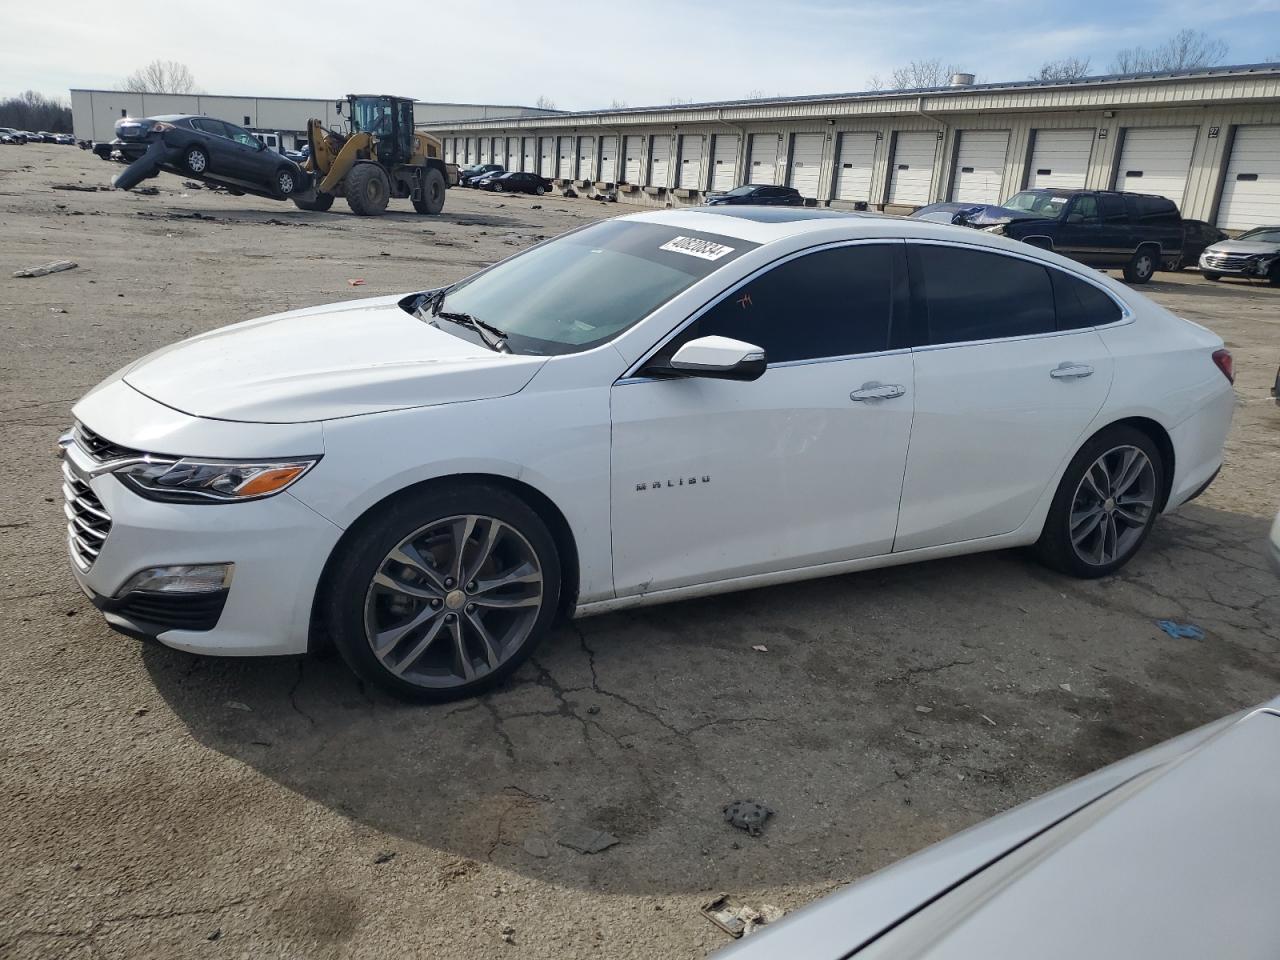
<point>493,338</point>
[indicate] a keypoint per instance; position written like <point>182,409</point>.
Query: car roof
<point>1072,191</point>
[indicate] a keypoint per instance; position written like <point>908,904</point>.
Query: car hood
<point>326,362</point>
<point>1243,247</point>
<point>971,214</point>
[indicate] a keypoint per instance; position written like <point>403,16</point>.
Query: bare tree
<point>617,104</point>
<point>545,103</point>
<point>1068,68</point>
<point>916,75</point>
<point>1184,50</point>
<point>754,94</point>
<point>35,111</point>
<point>161,76</point>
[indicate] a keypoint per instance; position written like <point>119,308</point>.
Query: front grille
<point>88,522</point>
<point>171,611</point>
<point>99,447</point>
<point>1224,261</point>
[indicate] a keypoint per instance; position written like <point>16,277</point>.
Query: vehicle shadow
<point>875,713</point>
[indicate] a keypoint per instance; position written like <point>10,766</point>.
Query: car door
<point>1078,232</point>
<point>718,479</point>
<point>213,135</point>
<point>1009,375</point>
<point>250,160</point>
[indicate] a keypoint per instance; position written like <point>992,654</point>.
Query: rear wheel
<point>444,592</point>
<point>431,200</point>
<point>320,202</point>
<point>368,190</point>
<point>1142,265</point>
<point>1105,505</point>
<point>195,160</point>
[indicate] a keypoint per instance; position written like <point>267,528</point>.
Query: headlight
<point>211,481</point>
<point>997,229</point>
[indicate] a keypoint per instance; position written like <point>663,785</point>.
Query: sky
<point>637,53</point>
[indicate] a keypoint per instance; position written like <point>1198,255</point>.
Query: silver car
<point>1255,254</point>
<point>1171,853</point>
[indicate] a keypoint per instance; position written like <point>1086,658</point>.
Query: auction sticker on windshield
<point>694,247</point>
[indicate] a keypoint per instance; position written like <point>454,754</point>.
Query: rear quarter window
<point>1079,304</point>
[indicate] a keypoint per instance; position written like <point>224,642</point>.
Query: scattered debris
<point>536,845</point>
<point>508,934</point>
<point>586,839</point>
<point>76,867</point>
<point>988,719</point>
<point>216,935</point>
<point>759,648</point>
<point>140,711</point>
<point>80,187</point>
<point>57,309</point>
<point>924,709</point>
<point>148,191</point>
<point>383,253</point>
<point>593,709</point>
<point>1065,687</point>
<point>56,266</point>
<point>192,185</point>
<point>740,920</point>
<point>747,815</point>
<point>1188,631</point>
<point>535,206</point>
<point>237,705</point>
<point>385,857</point>
<point>356,281</point>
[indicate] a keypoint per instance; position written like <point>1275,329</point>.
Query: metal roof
<point>688,112</point>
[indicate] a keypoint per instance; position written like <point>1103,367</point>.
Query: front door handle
<point>874,390</point>
<point>1071,371</point>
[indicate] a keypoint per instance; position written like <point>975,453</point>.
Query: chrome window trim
<point>631,376</point>
<point>1126,314</point>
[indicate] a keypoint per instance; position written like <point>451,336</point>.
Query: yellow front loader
<point>381,157</point>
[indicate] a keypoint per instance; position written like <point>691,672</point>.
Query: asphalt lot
<point>159,804</point>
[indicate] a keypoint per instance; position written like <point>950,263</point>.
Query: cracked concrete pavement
<point>163,805</point>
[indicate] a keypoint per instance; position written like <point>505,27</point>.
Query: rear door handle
<point>874,390</point>
<point>1071,371</point>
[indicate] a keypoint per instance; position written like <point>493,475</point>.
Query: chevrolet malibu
<point>662,406</point>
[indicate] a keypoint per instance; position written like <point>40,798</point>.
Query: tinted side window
<point>974,295</point>
<point>1111,207</point>
<point>240,135</point>
<point>1084,209</point>
<point>1080,304</point>
<point>206,125</point>
<point>832,303</point>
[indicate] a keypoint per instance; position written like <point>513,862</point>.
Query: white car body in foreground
<point>654,487</point>
<point>1170,853</point>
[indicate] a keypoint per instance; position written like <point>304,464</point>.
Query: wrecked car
<point>1254,254</point>
<point>204,148</point>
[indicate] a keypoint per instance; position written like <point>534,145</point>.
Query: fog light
<point>182,578</point>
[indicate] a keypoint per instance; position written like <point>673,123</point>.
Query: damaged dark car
<point>203,148</point>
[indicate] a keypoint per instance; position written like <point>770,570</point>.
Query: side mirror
<point>720,358</point>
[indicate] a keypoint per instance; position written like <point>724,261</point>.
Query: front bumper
<point>1232,266</point>
<point>278,547</point>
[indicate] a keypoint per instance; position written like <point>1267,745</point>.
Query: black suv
<point>1136,232</point>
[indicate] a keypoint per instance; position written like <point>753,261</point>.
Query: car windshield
<point>1037,204</point>
<point>584,288</point>
<point>1261,235</point>
<point>742,191</point>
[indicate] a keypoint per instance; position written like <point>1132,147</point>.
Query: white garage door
<point>724,162</point>
<point>1060,158</point>
<point>1251,191</point>
<point>1156,160</point>
<point>530,162</point>
<point>472,150</point>
<point>911,169</point>
<point>979,166</point>
<point>547,157</point>
<point>631,147</point>
<point>608,158</point>
<point>762,160</point>
<point>586,158</point>
<point>690,161</point>
<point>564,169</point>
<point>854,163</point>
<point>659,160</point>
<point>806,162</point>
<point>513,153</point>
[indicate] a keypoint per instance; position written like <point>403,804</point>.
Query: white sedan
<point>661,406</point>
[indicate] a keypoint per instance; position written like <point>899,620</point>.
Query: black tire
<point>539,190</point>
<point>195,159</point>
<point>285,183</point>
<point>431,200</point>
<point>368,190</point>
<point>320,202</point>
<point>349,589</point>
<point>1142,265</point>
<point>1056,549</point>
<point>497,187</point>
<point>1213,277</point>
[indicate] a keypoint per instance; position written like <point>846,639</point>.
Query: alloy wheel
<point>196,161</point>
<point>453,601</point>
<point>1113,505</point>
<point>286,183</point>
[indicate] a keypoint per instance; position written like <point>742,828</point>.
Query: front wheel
<point>284,183</point>
<point>1210,276</point>
<point>1140,268</point>
<point>368,190</point>
<point>1105,506</point>
<point>497,188</point>
<point>444,592</point>
<point>539,190</point>
<point>431,198</point>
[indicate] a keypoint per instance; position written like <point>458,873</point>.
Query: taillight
<point>1227,365</point>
